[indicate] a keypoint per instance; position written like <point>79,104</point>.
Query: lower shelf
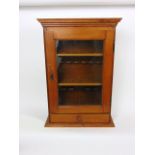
<point>109,124</point>
<point>80,96</point>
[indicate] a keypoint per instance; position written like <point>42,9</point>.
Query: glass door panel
<point>79,68</point>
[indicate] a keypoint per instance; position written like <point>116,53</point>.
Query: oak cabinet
<point>79,56</point>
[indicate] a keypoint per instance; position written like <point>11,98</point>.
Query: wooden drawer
<point>79,118</point>
<point>79,33</point>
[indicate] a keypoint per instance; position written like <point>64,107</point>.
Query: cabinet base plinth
<point>109,124</point>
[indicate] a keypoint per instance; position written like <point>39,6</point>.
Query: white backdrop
<point>34,138</point>
<point>74,2</point>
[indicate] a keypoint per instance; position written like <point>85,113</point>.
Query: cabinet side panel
<point>108,70</point>
<point>51,70</point>
<point>44,29</point>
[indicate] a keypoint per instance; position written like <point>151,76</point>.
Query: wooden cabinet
<point>79,55</point>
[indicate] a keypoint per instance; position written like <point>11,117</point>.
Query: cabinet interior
<point>79,65</point>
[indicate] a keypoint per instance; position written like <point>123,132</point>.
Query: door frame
<point>51,72</point>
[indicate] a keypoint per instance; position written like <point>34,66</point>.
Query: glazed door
<point>79,63</point>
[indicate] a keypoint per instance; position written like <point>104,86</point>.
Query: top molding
<point>95,22</point>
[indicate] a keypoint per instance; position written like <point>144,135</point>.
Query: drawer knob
<point>79,119</point>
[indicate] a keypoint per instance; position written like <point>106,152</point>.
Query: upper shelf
<point>108,22</point>
<point>80,48</point>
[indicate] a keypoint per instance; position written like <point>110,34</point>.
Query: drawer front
<point>78,33</point>
<point>79,118</point>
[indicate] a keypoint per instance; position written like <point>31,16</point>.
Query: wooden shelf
<point>80,84</point>
<point>80,48</point>
<point>80,96</point>
<point>80,54</point>
<point>77,74</point>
